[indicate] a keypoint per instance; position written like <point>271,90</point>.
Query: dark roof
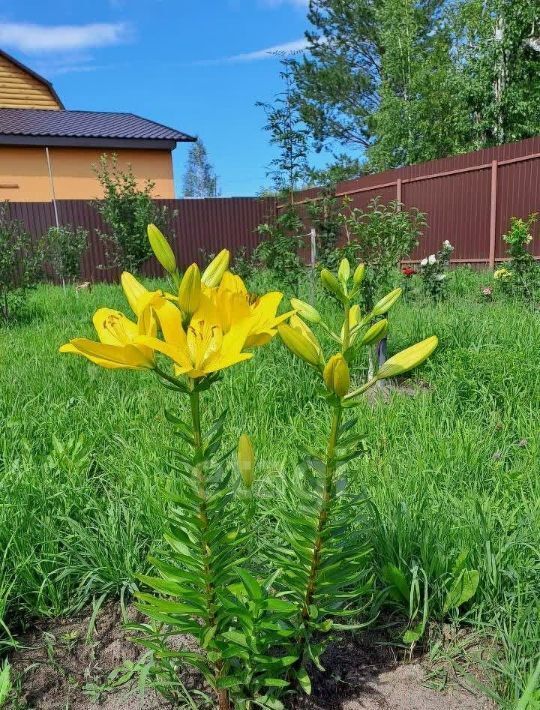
<point>85,128</point>
<point>34,74</point>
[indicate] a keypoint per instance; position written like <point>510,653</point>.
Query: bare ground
<point>66,664</point>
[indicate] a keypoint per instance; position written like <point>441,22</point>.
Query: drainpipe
<point>53,196</point>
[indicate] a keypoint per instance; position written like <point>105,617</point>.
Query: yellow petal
<point>177,355</point>
<point>133,291</point>
<point>110,356</point>
<point>113,328</point>
<point>231,282</point>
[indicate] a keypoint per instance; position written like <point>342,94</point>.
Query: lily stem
<point>194,398</point>
<point>327,497</point>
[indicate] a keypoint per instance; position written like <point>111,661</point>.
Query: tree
<point>336,81</point>
<point>498,54</point>
<point>127,210</point>
<point>288,133</point>
<point>411,80</point>
<point>200,179</point>
<point>421,113</point>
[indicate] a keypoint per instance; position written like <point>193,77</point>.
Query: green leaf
<point>280,605</point>
<point>415,634</point>
<point>459,564</point>
<point>236,637</point>
<point>253,588</point>
<point>275,683</point>
<point>463,589</point>
<point>304,680</point>
<point>393,576</point>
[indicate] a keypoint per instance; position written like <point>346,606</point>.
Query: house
<point>48,152</point>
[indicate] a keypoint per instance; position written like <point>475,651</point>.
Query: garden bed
<point>82,663</point>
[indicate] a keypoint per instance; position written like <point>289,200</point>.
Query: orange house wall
<point>24,175</point>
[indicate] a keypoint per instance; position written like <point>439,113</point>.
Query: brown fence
<point>468,199</point>
<point>198,227</point>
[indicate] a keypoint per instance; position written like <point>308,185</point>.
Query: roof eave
<point>89,142</point>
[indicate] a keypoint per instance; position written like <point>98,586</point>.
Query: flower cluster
<point>433,271</point>
<point>408,272</point>
<point>502,274</point>
<point>204,328</point>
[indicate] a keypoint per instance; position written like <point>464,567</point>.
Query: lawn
<point>451,466</point>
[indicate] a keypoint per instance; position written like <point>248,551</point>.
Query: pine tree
<point>200,180</point>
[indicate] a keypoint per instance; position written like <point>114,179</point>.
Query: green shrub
<point>20,264</point>
<point>127,211</point>
<point>380,237</point>
<point>64,247</point>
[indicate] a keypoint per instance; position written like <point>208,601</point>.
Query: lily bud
<point>354,318</point>
<point>344,271</point>
<point>161,248</point>
<point>359,274</point>
<point>377,332</point>
<point>189,293</point>
<point>300,345</point>
<point>213,273</point>
<point>306,311</point>
<point>336,375</point>
<point>386,303</point>
<point>408,359</point>
<point>246,460</point>
<point>330,282</point>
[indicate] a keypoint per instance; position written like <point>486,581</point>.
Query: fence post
<point>493,214</point>
<point>398,193</point>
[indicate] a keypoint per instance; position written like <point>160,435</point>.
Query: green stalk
<point>327,498</point>
<point>194,399</point>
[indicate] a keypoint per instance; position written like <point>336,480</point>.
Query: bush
<point>64,247</point>
<point>278,250</point>
<point>522,277</point>
<point>434,271</point>
<point>127,210</point>
<point>20,264</point>
<point>326,218</point>
<point>380,237</point>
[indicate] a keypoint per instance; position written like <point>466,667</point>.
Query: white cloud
<point>32,38</point>
<point>296,45</point>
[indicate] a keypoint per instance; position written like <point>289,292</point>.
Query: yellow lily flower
<point>117,348</point>
<point>203,347</point>
<point>234,303</point>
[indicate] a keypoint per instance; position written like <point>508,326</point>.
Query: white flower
<point>423,262</point>
<point>440,277</point>
<point>432,259</point>
<point>447,244</point>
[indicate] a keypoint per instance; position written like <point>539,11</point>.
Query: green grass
<point>453,469</point>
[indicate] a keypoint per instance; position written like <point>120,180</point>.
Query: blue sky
<point>196,65</point>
